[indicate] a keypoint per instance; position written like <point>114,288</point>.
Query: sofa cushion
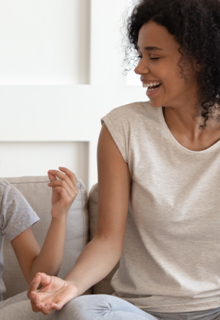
<point>38,194</point>
<point>104,286</point>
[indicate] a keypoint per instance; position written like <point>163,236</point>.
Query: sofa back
<point>38,194</point>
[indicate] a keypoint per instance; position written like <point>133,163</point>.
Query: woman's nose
<point>141,67</point>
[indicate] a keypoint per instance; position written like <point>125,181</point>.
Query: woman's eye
<point>154,58</point>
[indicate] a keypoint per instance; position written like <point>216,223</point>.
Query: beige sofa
<point>81,225</point>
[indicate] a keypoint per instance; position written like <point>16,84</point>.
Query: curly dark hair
<point>195,24</point>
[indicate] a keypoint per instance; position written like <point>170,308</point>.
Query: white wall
<point>60,72</point>
<point>35,158</point>
<point>44,42</point>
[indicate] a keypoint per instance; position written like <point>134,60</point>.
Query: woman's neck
<point>185,126</point>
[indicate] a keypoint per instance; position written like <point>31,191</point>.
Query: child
<point>16,219</point>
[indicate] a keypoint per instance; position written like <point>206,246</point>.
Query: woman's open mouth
<point>152,87</point>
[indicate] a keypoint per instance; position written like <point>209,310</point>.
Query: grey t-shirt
<point>16,215</point>
<point>171,257</point>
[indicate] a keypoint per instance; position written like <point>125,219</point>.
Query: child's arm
<point>27,250</point>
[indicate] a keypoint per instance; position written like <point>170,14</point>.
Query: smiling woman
<point>160,70</point>
<point>158,169</point>
<point>194,26</point>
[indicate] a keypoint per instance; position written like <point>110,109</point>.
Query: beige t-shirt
<point>171,257</point>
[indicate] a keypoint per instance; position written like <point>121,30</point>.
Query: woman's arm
<point>27,250</point>
<point>103,252</point>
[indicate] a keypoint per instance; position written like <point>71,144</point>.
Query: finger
<point>69,174</point>
<point>34,285</point>
<point>45,280</point>
<point>34,307</point>
<point>57,306</point>
<point>62,176</point>
<point>63,193</point>
<point>34,301</point>
<point>33,296</point>
<point>64,185</point>
<point>51,176</point>
<point>45,308</point>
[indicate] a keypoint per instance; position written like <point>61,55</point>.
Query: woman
<point>158,168</point>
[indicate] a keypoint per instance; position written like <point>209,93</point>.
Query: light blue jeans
<point>105,307</point>
<point>95,307</point>
<point>19,308</point>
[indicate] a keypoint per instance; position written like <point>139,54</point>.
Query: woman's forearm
<point>94,263</point>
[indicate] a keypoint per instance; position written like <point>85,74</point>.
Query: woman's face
<point>159,69</point>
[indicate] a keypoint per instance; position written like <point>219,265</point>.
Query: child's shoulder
<point>8,192</point>
<point>16,214</point>
<point>5,185</point>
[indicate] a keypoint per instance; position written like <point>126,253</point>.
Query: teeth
<point>149,85</point>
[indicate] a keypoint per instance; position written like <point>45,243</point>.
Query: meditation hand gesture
<point>64,190</point>
<point>54,294</point>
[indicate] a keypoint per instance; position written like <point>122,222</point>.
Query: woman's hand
<point>54,293</point>
<point>65,190</point>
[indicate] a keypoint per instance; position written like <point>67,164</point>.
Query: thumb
<point>33,287</point>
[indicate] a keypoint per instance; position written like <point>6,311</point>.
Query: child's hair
<point>195,24</point>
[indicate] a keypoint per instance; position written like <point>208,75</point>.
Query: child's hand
<point>65,190</point>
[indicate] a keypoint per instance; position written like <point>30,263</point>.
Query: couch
<point>81,226</point>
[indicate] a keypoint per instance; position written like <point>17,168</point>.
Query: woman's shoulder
<point>130,121</point>
<point>134,109</point>
<point>132,112</point>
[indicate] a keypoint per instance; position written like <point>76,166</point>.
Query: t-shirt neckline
<point>176,143</point>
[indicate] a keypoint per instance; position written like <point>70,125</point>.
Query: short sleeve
<point>118,126</point>
<point>16,213</point>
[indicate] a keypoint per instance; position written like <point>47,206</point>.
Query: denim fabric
<point>106,307</point>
